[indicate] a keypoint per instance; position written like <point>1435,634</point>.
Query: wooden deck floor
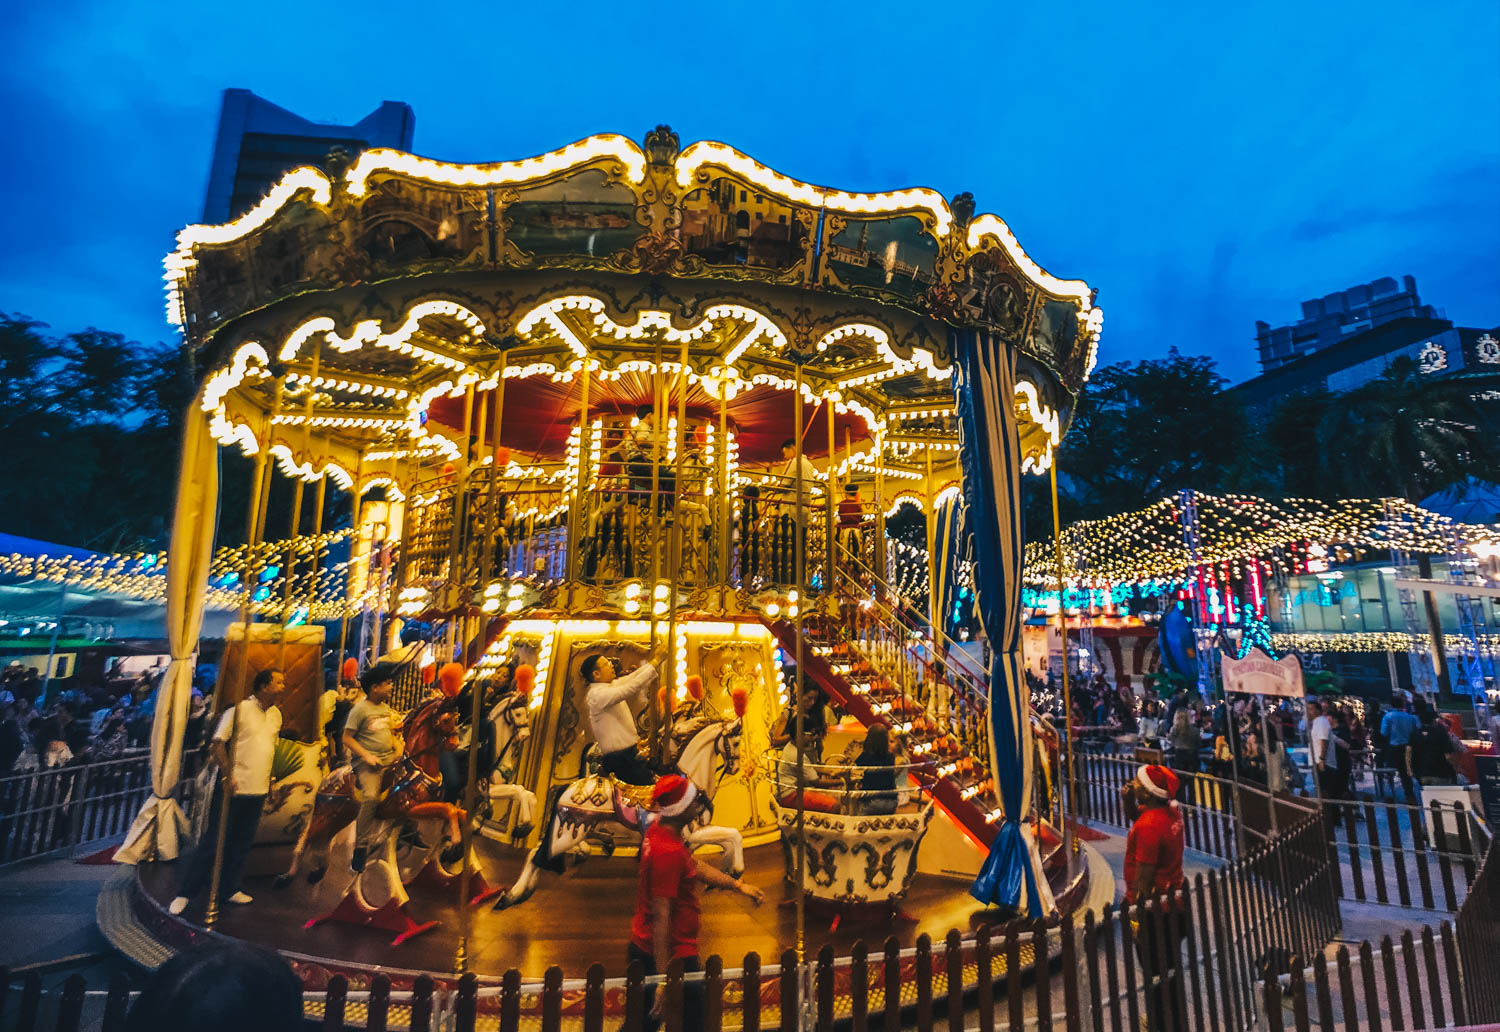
<point>574,920</point>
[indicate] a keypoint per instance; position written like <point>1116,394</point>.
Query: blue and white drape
<point>984,386</point>
<point>948,548</point>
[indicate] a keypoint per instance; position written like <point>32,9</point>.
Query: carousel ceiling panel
<point>538,414</point>
<point>606,205</point>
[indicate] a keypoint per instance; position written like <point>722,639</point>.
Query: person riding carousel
<point>371,740</point>
<point>610,702</point>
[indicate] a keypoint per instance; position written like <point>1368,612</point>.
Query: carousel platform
<point>574,920</point>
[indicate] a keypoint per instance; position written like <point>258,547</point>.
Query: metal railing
<point>53,811</point>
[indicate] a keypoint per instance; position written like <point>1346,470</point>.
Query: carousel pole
<point>658,740</point>
<point>254,525</point>
<point>476,692</point>
<point>830,533</point>
<point>801,577</point>
<point>354,496</point>
<point>726,496</point>
<point>577,504</point>
<point>455,601</point>
<point>1070,836</point>
<point>493,513</point>
<point>675,543</point>
<point>934,603</point>
<point>879,558</point>
<point>289,563</point>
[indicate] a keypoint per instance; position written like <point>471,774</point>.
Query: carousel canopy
<point>354,320</point>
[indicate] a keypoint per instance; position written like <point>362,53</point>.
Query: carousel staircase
<point>872,664</point>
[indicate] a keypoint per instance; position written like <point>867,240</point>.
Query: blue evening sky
<point>1201,165</point>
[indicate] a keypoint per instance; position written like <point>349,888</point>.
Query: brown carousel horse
<point>412,789</point>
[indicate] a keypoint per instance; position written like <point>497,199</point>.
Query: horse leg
<point>286,877</point>
<point>564,840</point>
<point>727,839</point>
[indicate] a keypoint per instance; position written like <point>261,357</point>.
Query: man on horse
<point>610,703</point>
<point>370,740</point>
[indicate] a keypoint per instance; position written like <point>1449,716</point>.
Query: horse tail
<point>544,857</point>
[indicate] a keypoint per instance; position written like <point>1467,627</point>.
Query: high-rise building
<point>1327,320</point>
<point>259,142</point>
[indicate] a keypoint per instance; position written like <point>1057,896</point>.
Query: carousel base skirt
<point>573,921</point>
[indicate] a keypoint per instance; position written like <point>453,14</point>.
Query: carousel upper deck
<point>576,372</point>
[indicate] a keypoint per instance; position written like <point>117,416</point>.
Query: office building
<point>259,142</point>
<point>1326,321</point>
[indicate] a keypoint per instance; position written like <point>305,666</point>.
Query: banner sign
<point>1259,674</point>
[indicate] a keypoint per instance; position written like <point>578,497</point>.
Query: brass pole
<point>801,576</point>
<point>254,524</point>
<point>658,742</point>
<point>934,603</point>
<point>1070,838</point>
<point>880,544</point>
<point>675,544</point>
<point>726,497</point>
<point>354,497</point>
<point>830,533</point>
<point>577,504</point>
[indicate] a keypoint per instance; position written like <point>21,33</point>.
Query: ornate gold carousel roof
<point>350,319</point>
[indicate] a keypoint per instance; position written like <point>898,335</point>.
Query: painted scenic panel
<point>730,223</point>
<point>583,214</point>
<point>1056,330</point>
<point>404,223</point>
<point>893,255</point>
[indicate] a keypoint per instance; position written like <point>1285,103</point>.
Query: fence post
<point>954,956</point>
<point>1455,979</point>
<point>635,996</point>
<point>333,1003</point>
<point>1041,975</point>
<point>859,988</point>
<point>31,1001</point>
<point>713,993</point>
<point>1392,987</point>
<point>1270,996</point>
<point>421,1003</point>
<point>790,1002</point>
<point>672,1002</point>
<point>1324,994</point>
<point>1298,990</point>
<point>378,1010</point>
<point>984,964</point>
<point>80,796</point>
<point>117,1004</point>
<point>750,993</point>
<point>1013,974</point>
<point>924,983</point>
<point>1434,986</point>
<point>1445,864</point>
<point>70,1005</point>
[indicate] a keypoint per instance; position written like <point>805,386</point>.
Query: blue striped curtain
<point>948,543</point>
<point>984,386</point>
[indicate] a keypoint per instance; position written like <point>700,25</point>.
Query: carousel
<point>618,424</point>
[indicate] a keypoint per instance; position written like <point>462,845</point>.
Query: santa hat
<point>1158,780</point>
<point>673,794</point>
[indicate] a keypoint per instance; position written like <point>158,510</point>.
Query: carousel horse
<point>512,719</point>
<point>704,749</point>
<point>411,788</point>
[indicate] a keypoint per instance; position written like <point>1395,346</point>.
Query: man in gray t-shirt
<point>370,740</point>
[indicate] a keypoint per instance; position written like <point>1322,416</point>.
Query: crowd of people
<point>43,730</point>
<point>1406,743</point>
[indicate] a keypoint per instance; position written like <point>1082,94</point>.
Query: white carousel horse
<point>512,719</point>
<point>709,750</point>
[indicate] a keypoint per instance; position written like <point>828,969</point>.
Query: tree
<point>90,421</point>
<point>1144,430</point>
<point>1405,434</point>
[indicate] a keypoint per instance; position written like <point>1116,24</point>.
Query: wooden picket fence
<point>1235,925</point>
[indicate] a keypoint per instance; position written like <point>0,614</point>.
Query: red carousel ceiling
<point>538,415</point>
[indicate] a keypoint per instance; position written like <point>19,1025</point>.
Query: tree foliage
<point>1143,430</point>
<point>90,422</point>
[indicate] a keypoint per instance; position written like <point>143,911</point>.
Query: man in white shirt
<point>372,746</point>
<point>611,702</point>
<point>243,746</point>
